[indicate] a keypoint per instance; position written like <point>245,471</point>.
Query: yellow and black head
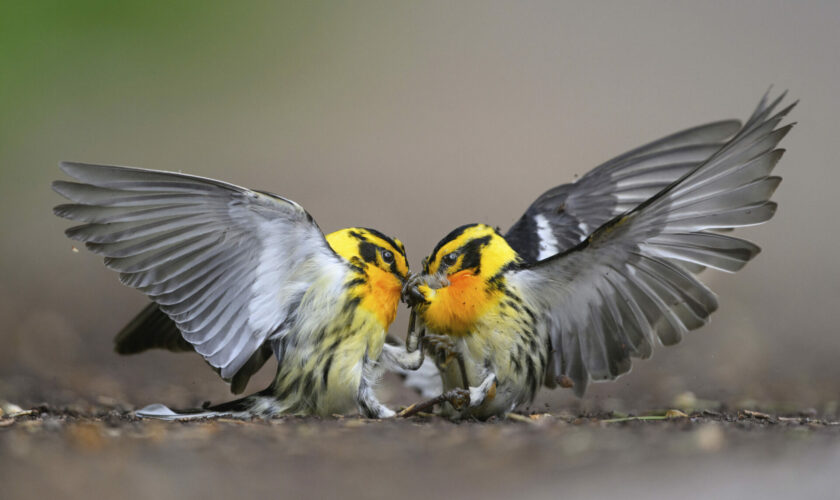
<point>367,248</point>
<point>379,269</point>
<point>477,249</point>
<point>462,279</point>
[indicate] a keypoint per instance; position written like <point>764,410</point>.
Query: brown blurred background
<point>413,119</point>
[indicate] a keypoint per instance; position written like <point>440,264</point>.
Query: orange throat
<point>455,309</point>
<point>382,295</point>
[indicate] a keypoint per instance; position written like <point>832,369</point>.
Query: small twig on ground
<point>519,418</point>
<point>423,406</point>
<point>628,419</point>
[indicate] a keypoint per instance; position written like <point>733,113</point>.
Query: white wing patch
<point>584,229</point>
<point>548,243</point>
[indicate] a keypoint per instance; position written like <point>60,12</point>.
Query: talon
<point>413,296</point>
<point>458,398</point>
<point>409,290</point>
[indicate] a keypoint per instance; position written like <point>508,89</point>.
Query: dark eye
<point>387,256</point>
<point>450,258</point>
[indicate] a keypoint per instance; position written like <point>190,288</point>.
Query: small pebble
<point>709,437</point>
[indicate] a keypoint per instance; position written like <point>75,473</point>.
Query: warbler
<point>238,276</point>
<point>595,271</point>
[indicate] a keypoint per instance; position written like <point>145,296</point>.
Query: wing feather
<point>630,281</point>
<point>565,215</point>
<point>225,263</point>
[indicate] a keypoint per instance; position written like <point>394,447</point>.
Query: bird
<point>238,276</point>
<point>597,271</point>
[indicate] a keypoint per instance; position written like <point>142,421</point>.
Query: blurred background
<point>411,118</point>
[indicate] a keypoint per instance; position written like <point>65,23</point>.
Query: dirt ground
<point>105,452</point>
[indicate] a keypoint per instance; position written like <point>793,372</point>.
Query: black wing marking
<point>152,329</point>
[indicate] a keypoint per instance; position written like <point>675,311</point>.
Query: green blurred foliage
<point>54,54</point>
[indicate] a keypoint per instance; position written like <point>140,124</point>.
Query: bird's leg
<point>485,391</point>
<point>412,338</point>
<point>366,400</point>
<point>444,350</point>
<point>396,357</point>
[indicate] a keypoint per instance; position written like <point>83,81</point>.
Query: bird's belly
<point>510,354</point>
<point>342,383</point>
<point>323,376</point>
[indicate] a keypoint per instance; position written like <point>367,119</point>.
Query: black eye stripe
<point>471,252</point>
<point>387,239</point>
<point>367,251</point>
<point>458,231</point>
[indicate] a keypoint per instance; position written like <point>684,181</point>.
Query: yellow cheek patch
<point>383,295</point>
<point>455,309</point>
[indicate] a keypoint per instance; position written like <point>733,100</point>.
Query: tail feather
<point>247,407</point>
<point>158,411</point>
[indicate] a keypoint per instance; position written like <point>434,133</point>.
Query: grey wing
<point>565,215</point>
<point>227,264</point>
<point>609,297</point>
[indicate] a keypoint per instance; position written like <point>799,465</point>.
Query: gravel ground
<point>105,452</point>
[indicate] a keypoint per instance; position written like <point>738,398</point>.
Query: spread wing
<point>611,295</point>
<point>565,215</point>
<point>227,264</point>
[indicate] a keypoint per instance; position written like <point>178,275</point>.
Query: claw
<point>411,293</point>
<point>414,297</point>
<point>409,288</point>
<point>458,398</point>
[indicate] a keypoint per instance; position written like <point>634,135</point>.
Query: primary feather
<point>214,256</point>
<point>564,215</point>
